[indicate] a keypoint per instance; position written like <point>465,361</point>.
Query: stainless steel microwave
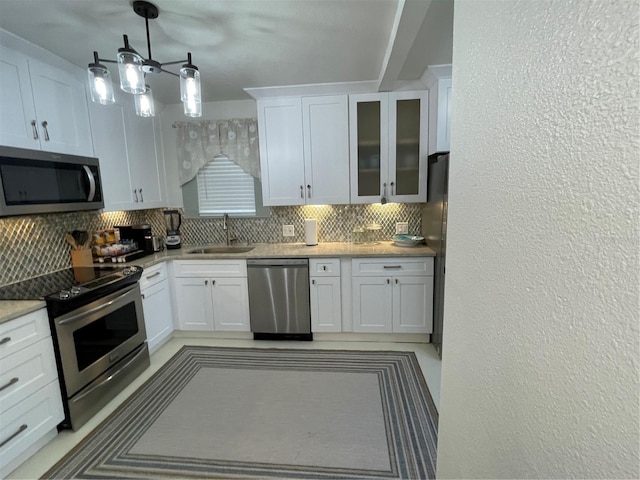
<point>32,181</point>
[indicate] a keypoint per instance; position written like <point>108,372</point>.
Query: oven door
<point>95,336</point>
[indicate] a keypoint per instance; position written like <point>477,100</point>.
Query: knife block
<point>82,258</point>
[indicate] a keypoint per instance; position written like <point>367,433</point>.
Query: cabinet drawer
<point>211,268</point>
<point>324,267</point>
<point>365,267</point>
<point>30,420</point>
<point>153,275</point>
<point>25,372</point>
<point>24,331</point>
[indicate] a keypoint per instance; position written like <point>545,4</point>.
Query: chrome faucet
<point>227,230</point>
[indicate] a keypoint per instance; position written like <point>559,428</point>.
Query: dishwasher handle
<point>278,262</point>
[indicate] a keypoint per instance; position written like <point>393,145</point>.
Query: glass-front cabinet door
<point>388,142</point>
<point>408,137</point>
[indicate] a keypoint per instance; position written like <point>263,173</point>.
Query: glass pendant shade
<point>130,71</point>
<point>190,91</point>
<point>144,103</point>
<point>100,84</point>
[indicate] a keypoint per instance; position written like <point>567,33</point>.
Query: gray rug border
<point>416,372</point>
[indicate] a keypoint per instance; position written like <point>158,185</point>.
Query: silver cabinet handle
<point>153,275</point>
<point>46,131</point>
<point>213,282</point>
<point>393,192</point>
<point>308,191</point>
<point>92,183</point>
<point>141,197</point>
<point>35,130</point>
<point>396,281</point>
<point>388,281</point>
<point>22,428</point>
<point>9,383</point>
<point>142,295</point>
<point>5,340</point>
<point>392,267</point>
<point>135,192</point>
<point>324,268</point>
<point>313,282</point>
<point>206,282</point>
<point>301,191</point>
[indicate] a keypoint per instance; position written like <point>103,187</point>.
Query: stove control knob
<point>64,294</point>
<point>130,270</point>
<point>75,291</point>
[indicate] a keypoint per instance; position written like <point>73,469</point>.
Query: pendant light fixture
<point>133,68</point>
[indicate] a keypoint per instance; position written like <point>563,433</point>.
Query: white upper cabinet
<point>438,80</point>
<point>388,135</point>
<point>128,147</point>
<point>281,151</point>
<point>43,107</point>
<point>325,127</point>
<point>304,150</point>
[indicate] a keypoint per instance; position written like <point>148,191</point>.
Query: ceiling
<point>241,44</point>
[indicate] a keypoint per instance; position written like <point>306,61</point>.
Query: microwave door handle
<point>92,183</point>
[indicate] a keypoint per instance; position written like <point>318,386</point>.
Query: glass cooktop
<point>87,278</point>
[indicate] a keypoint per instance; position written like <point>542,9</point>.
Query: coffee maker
<point>173,220</point>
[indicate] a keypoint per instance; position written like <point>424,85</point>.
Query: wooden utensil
<point>71,241</point>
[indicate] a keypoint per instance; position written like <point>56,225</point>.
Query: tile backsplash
<point>33,245</point>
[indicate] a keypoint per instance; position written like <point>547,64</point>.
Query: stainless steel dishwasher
<point>279,298</point>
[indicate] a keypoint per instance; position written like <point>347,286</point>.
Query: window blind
<point>223,187</point>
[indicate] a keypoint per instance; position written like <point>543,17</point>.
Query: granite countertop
<point>10,309</point>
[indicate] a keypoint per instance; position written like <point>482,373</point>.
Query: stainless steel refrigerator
<point>434,230</point>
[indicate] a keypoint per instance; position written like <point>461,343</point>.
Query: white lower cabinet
<point>30,399</point>
<point>325,295</point>
<point>392,295</point>
<point>212,295</point>
<point>156,304</point>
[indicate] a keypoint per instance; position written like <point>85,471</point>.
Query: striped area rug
<point>214,412</point>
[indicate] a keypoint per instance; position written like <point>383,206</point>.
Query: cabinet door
<point>230,304</point>
<point>195,308</point>
<point>413,304</point>
<point>444,115</point>
<point>18,126</point>
<point>156,303</point>
<point>326,305</point>
<point>281,151</point>
<point>369,146</point>
<point>372,297</point>
<point>408,138</point>
<point>325,123</point>
<point>110,142</point>
<point>61,110</point>
<point>146,170</point>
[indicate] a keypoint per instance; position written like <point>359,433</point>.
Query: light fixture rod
<point>146,24</point>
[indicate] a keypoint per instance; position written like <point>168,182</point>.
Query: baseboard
<point>317,337</point>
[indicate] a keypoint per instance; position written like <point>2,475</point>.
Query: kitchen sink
<point>223,249</point>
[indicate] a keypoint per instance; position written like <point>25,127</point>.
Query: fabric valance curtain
<point>201,142</point>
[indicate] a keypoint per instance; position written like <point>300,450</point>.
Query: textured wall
<point>34,244</point>
<point>541,342</point>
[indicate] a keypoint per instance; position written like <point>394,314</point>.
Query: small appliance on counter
<point>123,243</point>
<point>173,220</point>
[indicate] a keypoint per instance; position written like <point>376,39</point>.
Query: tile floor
<point>66,440</point>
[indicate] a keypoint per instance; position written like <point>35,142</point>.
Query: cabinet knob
<point>35,130</point>
<point>46,131</point>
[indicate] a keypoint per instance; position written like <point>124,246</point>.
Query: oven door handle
<point>110,377</point>
<point>88,312</point>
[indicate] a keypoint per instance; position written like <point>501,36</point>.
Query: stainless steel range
<point>97,324</point>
